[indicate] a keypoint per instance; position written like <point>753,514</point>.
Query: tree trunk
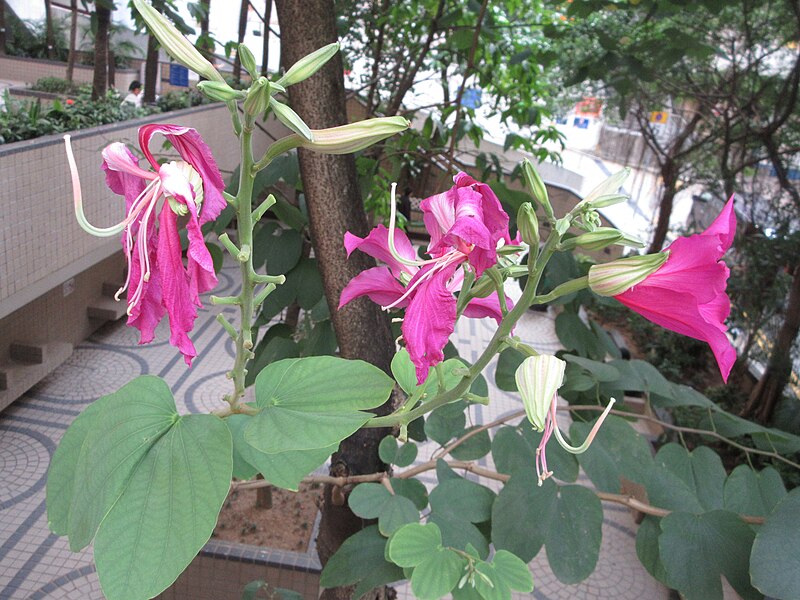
<point>265,49</point>
<point>151,70</point>
<point>73,37</point>
<point>100,80</point>
<point>765,396</point>
<point>237,63</point>
<point>204,44</point>
<point>49,34</point>
<point>669,176</point>
<point>334,206</point>
<point>112,69</point>
<point>2,27</point>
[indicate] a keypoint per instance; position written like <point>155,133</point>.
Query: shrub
<point>55,85</point>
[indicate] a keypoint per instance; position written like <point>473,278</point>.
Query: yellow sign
<point>659,117</point>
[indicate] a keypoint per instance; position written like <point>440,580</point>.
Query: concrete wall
<point>41,245</point>
<point>30,70</point>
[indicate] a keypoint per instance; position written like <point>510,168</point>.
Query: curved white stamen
<point>144,259</point>
<point>392,248</point>
<point>148,198</point>
<point>589,438</point>
<point>443,261</point>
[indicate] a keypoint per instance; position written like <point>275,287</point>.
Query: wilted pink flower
<point>466,224</point>
<point>687,293</point>
<point>158,282</point>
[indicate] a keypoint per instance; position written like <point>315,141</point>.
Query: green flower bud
<point>220,91</point>
<point>248,60</point>
<point>176,45</point>
<point>291,119</point>
<point>607,193</point>
<point>617,276</point>
<point>538,379</point>
<point>528,225</point>
<point>600,238</point>
<point>258,97</point>
<point>308,65</point>
<point>537,187</point>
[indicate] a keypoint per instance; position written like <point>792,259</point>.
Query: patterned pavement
<point>35,564</point>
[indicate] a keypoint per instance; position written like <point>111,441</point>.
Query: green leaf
<point>437,575</point>
<point>405,373</point>
<point>701,472</point>
<point>61,474</point>
<point>697,549</point>
<point>280,249</point>
<point>647,547</point>
<point>360,557</point>
<point>284,469</point>
<point>463,499</point>
<point>505,374</point>
<point>444,423</point>
<point>755,493</point>
<point>515,448</point>
<point>289,214</point>
<point>321,341</point>
<point>217,256</point>
<point>273,349</point>
<point>616,450</point>
<point>774,561</point>
<point>131,421</point>
<point>392,454</point>
<point>406,455</point>
<point>413,489</point>
<point>301,410</point>
<point>413,544</point>
<point>493,589</point>
<point>521,514</point>
<point>513,571</point>
<point>473,448</point>
<point>460,533</point>
<point>168,510</point>
<point>367,499</point>
<point>281,297</point>
<point>308,282</point>
<point>599,371</point>
<point>574,534</point>
<point>396,512</point>
<point>241,468</point>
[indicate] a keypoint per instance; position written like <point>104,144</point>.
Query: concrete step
<point>106,309</point>
<point>18,376</point>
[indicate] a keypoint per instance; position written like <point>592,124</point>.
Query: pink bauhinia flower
<point>466,223</point>
<point>158,281</point>
<point>686,293</point>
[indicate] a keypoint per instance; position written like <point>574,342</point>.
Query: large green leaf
<point>301,410</point>
<point>445,422</point>
<point>168,510</point>
<point>473,448</point>
<point>647,547</point>
<point>463,498</point>
<point>413,489</point>
<point>130,422</point>
<point>567,520</point>
<point>405,373</point>
<point>775,561</point>
<point>413,544</point>
<point>278,248</point>
<point>437,575</point>
<point>512,571</point>
<point>515,448</point>
<point>360,558</point>
<point>61,474</point>
<point>755,493</point>
<point>700,472</point>
<point>392,453</point>
<point>308,283</point>
<point>507,364</point>
<point>697,549</point>
<point>284,469</point>
<point>617,450</point>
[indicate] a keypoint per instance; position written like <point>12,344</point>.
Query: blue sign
<point>178,75</point>
<point>471,98</point>
<point>791,174</point>
<point>580,123</point>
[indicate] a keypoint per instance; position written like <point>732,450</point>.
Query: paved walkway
<point>35,564</point>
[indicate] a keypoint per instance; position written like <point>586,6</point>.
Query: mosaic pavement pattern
<point>35,564</point>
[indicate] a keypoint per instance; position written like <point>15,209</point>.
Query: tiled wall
<point>41,245</point>
<point>29,70</point>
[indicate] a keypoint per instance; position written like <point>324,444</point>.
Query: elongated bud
<point>291,119</point>
<point>607,193</point>
<point>483,287</point>
<point>538,379</point>
<point>248,60</point>
<point>537,187</point>
<point>308,65</point>
<point>600,238</point>
<point>176,45</point>
<point>617,276</point>
<point>528,225</point>
<point>258,97</point>
<point>220,91</point>
<point>341,140</point>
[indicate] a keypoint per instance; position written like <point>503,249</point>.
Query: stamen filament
<point>443,261</point>
<point>589,438</point>
<point>392,248</point>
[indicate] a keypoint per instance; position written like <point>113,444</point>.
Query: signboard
<point>178,75</point>
<point>471,98</point>
<point>580,123</point>
<point>659,117</point>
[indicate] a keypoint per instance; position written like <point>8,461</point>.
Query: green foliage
<point>55,85</point>
<point>774,565</point>
<point>177,100</point>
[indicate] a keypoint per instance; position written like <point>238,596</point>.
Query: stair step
<point>27,353</point>
<point>17,376</point>
<point>106,309</point>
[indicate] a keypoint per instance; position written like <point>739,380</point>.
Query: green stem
<point>569,287</point>
<point>503,331</point>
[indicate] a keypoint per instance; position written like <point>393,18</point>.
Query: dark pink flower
<point>159,282</point>
<point>687,293</point>
<point>466,223</point>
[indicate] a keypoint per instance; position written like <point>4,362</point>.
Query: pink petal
<point>724,226</point>
<point>200,265</point>
<point>430,319</point>
<point>439,215</point>
<point>193,150</point>
<point>149,311</point>
<point>478,308</point>
<point>123,174</point>
<point>177,297</point>
<point>376,244</point>
<point>376,283</point>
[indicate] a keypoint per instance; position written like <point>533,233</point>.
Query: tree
<point>2,28</point>
<point>237,63</point>
<point>102,16</point>
<point>73,38</point>
<point>49,32</point>
<point>334,207</point>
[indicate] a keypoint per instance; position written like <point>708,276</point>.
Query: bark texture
<point>334,206</point>
<point>151,68</point>
<point>237,63</point>
<point>73,37</point>
<point>100,79</point>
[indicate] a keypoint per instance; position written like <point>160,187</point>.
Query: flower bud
<point>176,45</point>
<point>308,65</point>
<point>528,225</point>
<point>538,379</point>
<point>607,193</point>
<point>600,238</point>
<point>258,97</point>
<point>615,277</point>
<point>219,91</point>
<point>247,60</point>
<point>537,187</point>
<point>290,118</point>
